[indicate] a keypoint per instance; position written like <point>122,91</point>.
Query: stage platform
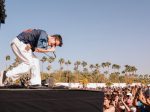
<point>50,100</point>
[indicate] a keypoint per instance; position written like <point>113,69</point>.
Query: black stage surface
<point>50,100</point>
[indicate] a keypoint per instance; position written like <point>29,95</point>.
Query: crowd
<point>129,99</point>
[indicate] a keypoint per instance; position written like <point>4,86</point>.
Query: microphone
<point>51,56</point>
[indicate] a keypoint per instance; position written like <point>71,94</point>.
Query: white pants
<point>28,62</point>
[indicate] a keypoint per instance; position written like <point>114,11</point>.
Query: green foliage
<point>91,73</point>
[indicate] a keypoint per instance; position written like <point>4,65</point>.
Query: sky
<point>96,31</point>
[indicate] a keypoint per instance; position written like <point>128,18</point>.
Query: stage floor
<point>50,100</point>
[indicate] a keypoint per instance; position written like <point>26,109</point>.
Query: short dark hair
<point>59,38</point>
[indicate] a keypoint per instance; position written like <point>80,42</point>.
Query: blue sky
<point>95,31</point>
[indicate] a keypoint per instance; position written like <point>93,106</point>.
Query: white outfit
<point>28,62</point>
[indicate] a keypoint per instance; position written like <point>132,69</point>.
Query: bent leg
<point>18,48</point>
<point>15,72</point>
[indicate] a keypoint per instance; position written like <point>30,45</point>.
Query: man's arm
<point>52,49</point>
<point>41,50</point>
<point>127,108</point>
<point>143,99</point>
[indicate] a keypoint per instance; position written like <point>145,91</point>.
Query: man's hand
<point>52,49</point>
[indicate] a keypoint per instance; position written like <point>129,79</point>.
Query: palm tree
<point>133,70</point>
<point>67,63</point>
<point>115,67</point>
<point>49,67</point>
<point>7,58</point>
<point>103,65</point>
<point>97,66</point>
<point>97,72</point>
<point>91,67</point>
<point>50,60</point>
<point>106,64</point>
<point>140,76</point>
<point>76,67</point>
<point>67,75</point>
<point>116,73</point>
<point>127,69</point>
<point>61,62</point>
<point>43,60</point>
<point>106,72</point>
<point>76,64</point>
<point>84,64</point>
<point>130,70</point>
<point>146,76</point>
<point>85,70</point>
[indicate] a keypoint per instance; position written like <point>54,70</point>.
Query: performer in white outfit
<point>23,46</point>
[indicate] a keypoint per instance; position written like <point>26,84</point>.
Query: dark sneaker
<point>37,86</point>
<point>3,77</point>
